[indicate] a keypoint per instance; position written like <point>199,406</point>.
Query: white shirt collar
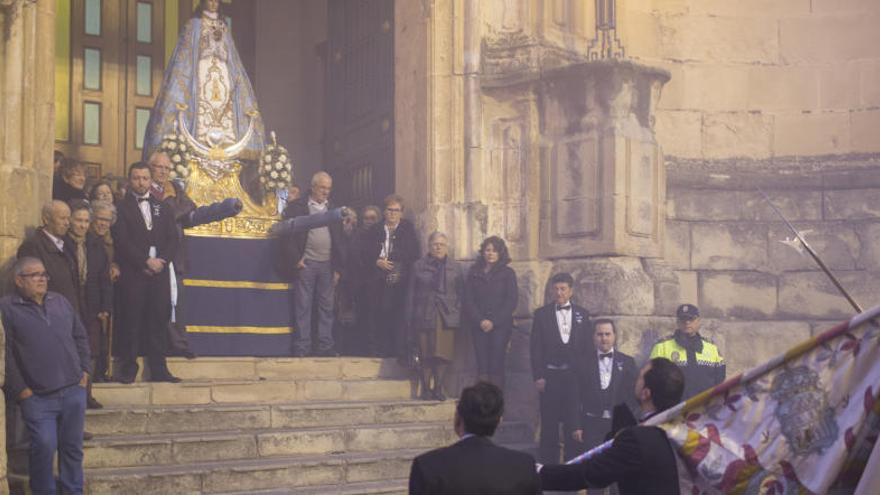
<point>59,243</point>
<point>316,204</point>
<point>599,353</point>
<point>566,303</point>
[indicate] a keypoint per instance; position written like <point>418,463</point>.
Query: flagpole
<point>814,255</point>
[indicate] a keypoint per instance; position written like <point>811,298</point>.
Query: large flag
<point>804,423</point>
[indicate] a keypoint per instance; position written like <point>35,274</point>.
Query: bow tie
<point>607,355</point>
<point>142,199</point>
<point>563,308</point>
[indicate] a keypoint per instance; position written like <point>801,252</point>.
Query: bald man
<point>48,245</point>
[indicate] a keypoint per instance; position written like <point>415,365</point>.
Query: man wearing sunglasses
<point>697,356</point>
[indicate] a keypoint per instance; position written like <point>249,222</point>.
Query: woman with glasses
<point>490,297</point>
<point>390,249</point>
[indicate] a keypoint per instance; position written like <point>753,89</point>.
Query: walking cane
<point>107,324</point>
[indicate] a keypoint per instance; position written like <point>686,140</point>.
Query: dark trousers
<point>553,402</point>
<point>55,423</point>
<point>491,352</point>
<point>387,337</point>
<point>314,283</point>
<point>146,313</point>
<point>595,431</point>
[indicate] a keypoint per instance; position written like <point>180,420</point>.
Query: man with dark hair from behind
<point>475,465</point>
<point>640,459</point>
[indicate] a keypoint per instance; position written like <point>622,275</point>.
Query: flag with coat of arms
<point>805,422</point>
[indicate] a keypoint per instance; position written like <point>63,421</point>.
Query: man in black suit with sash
<point>559,330</point>
<point>145,236</point>
<point>475,465</point>
<point>639,459</point>
<point>605,378</point>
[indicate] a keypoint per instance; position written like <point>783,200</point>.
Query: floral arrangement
<point>178,151</point>
<point>276,171</point>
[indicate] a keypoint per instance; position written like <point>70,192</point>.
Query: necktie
<point>81,261</point>
<point>607,355</point>
<point>563,308</point>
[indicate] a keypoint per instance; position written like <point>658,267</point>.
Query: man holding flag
<point>640,459</point>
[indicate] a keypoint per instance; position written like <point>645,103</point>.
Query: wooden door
<point>359,122</point>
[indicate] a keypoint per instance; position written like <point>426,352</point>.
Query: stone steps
<point>202,418</point>
<point>264,426</point>
<point>195,392</point>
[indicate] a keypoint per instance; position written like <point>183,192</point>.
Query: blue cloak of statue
<point>181,83</point>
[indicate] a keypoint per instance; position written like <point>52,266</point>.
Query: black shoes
<point>92,403</point>
<point>165,377</point>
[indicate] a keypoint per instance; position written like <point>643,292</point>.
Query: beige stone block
<point>117,421</point>
<point>320,389</point>
<point>113,484</point>
<point>641,34</point>
<point>852,204</point>
<point>848,6</point>
<point>688,288</point>
<point>307,416</point>
<point>165,394</point>
<point>376,390</point>
<point>268,476</point>
<point>865,131</point>
<point>598,282</point>
<point>372,368</point>
<point>737,134</point>
<point>677,251</point>
<point>837,244</point>
<point>869,235</point>
<point>213,418</point>
<point>111,394</point>
<point>737,294</point>
<point>732,205</point>
<point>747,8</point>
<point>811,133</point>
<point>256,392</point>
<point>729,246</point>
<point>378,439</point>
<point>869,83</point>
<point>309,442</point>
<point>783,88</point>
<point>812,295</point>
<point>374,469</point>
<point>680,132</point>
<point>110,453</point>
<point>720,39</point>
<point>207,368</point>
<point>736,340</point>
<point>295,369</point>
<point>840,86</point>
<point>214,448</point>
<point>439,412</point>
<point>18,187</point>
<point>828,38</point>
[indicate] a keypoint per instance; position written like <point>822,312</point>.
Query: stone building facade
<point>620,140</point>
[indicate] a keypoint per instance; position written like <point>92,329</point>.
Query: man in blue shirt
<point>47,370</point>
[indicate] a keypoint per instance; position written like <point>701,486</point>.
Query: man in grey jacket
<point>47,371</point>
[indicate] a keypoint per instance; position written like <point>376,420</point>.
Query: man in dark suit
<point>558,330</point>
<point>48,245</point>
<point>639,459</point>
<point>146,240</point>
<point>606,377</point>
<point>475,465</point>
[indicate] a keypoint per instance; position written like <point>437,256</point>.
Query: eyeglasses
<point>35,275</point>
<point>100,219</point>
<point>393,210</point>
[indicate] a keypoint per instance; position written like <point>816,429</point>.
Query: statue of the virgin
<point>207,96</point>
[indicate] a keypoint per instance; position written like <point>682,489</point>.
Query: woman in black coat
<point>390,248</point>
<point>95,288</point>
<point>490,297</point>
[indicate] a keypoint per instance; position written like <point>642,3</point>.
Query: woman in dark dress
<point>73,181</point>
<point>390,248</point>
<point>433,306</point>
<point>490,297</point>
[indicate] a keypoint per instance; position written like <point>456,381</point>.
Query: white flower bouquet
<point>178,151</point>
<point>276,171</point>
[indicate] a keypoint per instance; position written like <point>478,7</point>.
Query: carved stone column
<point>603,182</point>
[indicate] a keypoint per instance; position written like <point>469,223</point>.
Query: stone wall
<point>760,79</point>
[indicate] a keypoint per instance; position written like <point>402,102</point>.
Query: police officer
<point>699,358</point>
